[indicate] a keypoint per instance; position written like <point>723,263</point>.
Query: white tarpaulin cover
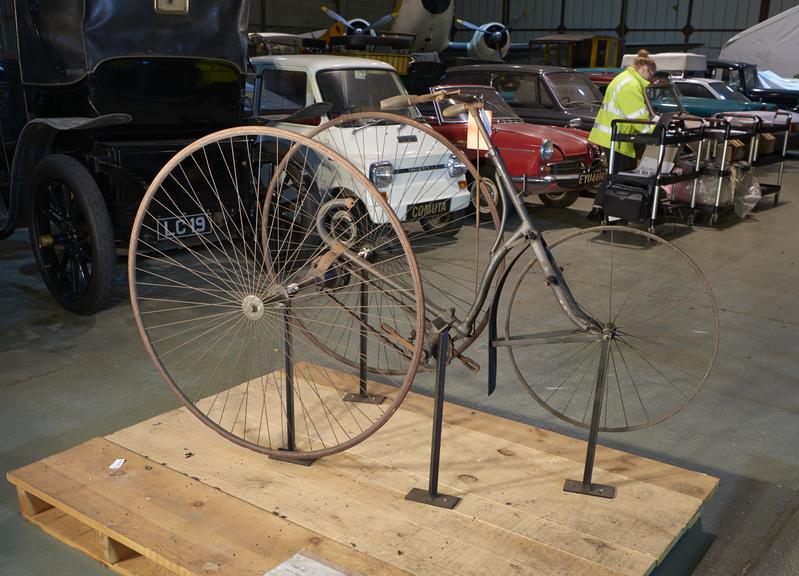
<point>772,45</point>
<point>771,80</point>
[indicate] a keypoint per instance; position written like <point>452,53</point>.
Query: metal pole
<point>438,411</point>
<point>596,414</point>
<point>363,349</point>
<point>587,486</point>
<point>431,495</point>
<point>290,444</point>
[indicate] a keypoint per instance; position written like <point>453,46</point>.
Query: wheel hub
<point>253,307</point>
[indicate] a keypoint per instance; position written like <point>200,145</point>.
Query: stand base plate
<point>303,462</point>
<point>440,500</point>
<point>353,397</point>
<point>600,490</point>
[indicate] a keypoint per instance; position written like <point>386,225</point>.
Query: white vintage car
<point>421,178</point>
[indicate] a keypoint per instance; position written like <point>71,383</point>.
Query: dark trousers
<point>623,163</point>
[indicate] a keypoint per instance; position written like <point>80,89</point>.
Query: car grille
<point>568,166</point>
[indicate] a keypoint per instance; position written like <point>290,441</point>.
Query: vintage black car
<point>547,95</point>
<point>96,96</point>
<point>743,77</point>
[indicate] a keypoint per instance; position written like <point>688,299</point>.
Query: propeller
<point>381,22</point>
<point>495,35</point>
<point>358,26</point>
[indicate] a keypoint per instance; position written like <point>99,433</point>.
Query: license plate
<point>186,225</point>
<point>592,177</point>
<point>427,209</point>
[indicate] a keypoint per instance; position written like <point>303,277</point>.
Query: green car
<point>664,97</point>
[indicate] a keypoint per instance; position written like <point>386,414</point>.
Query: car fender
<point>36,141</point>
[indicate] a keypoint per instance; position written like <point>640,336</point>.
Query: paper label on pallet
<point>302,565</point>
<point>117,464</point>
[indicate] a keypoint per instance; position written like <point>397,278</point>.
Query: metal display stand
<point>363,395</point>
<point>432,496</point>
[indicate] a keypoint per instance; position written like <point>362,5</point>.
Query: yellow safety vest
<point>624,98</point>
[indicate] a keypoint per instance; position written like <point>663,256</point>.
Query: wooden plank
<point>78,535</point>
<point>633,467</point>
<point>177,523</point>
<point>341,497</point>
<point>490,462</point>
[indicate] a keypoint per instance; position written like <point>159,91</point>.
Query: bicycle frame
<point>525,232</point>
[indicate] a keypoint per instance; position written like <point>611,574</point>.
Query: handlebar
<point>406,100</point>
<point>458,109</point>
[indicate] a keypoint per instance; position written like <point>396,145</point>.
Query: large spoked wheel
<point>657,312</point>
<point>256,292</point>
<point>425,179</point>
<point>71,234</point>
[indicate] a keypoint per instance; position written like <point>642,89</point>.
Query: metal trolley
<point>636,196</point>
<point>752,128</point>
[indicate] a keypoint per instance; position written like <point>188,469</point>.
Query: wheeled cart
<point>755,129</point>
<point>636,196</point>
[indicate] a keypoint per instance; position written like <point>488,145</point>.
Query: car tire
<point>71,234</point>
<point>489,179</point>
<point>560,199</point>
<point>446,225</point>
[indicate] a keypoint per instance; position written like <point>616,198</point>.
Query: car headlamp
<point>547,150</point>
<point>455,167</point>
<point>381,174</point>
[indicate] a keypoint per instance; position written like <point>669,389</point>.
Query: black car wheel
<point>5,213</point>
<point>71,234</point>
<point>446,225</point>
<point>491,187</point>
<point>560,199</point>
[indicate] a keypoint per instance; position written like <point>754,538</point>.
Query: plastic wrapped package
<point>747,195</point>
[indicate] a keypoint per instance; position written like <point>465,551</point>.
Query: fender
<point>35,142</point>
<point>492,323</point>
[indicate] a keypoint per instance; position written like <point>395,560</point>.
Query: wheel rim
<point>445,285</point>
<point>657,307</point>
<point>63,240</point>
<point>490,190</point>
<point>223,311</point>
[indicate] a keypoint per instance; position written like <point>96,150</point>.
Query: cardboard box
<point>767,144</point>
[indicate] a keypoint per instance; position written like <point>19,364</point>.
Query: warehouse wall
<point>296,16</point>
<point>649,21</point>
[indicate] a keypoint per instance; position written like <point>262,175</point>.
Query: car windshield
<point>726,93</point>
<point>361,90</point>
<point>573,89</point>
<point>750,76</point>
<point>492,101</point>
<point>663,98</point>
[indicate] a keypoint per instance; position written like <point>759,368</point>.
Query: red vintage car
<point>552,162</point>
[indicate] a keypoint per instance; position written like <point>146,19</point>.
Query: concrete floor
<point>67,379</point>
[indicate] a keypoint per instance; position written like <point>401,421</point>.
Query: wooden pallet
<point>186,501</point>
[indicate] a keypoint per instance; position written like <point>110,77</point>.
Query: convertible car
<point>552,162</point>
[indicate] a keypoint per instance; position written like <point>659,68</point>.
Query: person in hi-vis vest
<point>624,98</point>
